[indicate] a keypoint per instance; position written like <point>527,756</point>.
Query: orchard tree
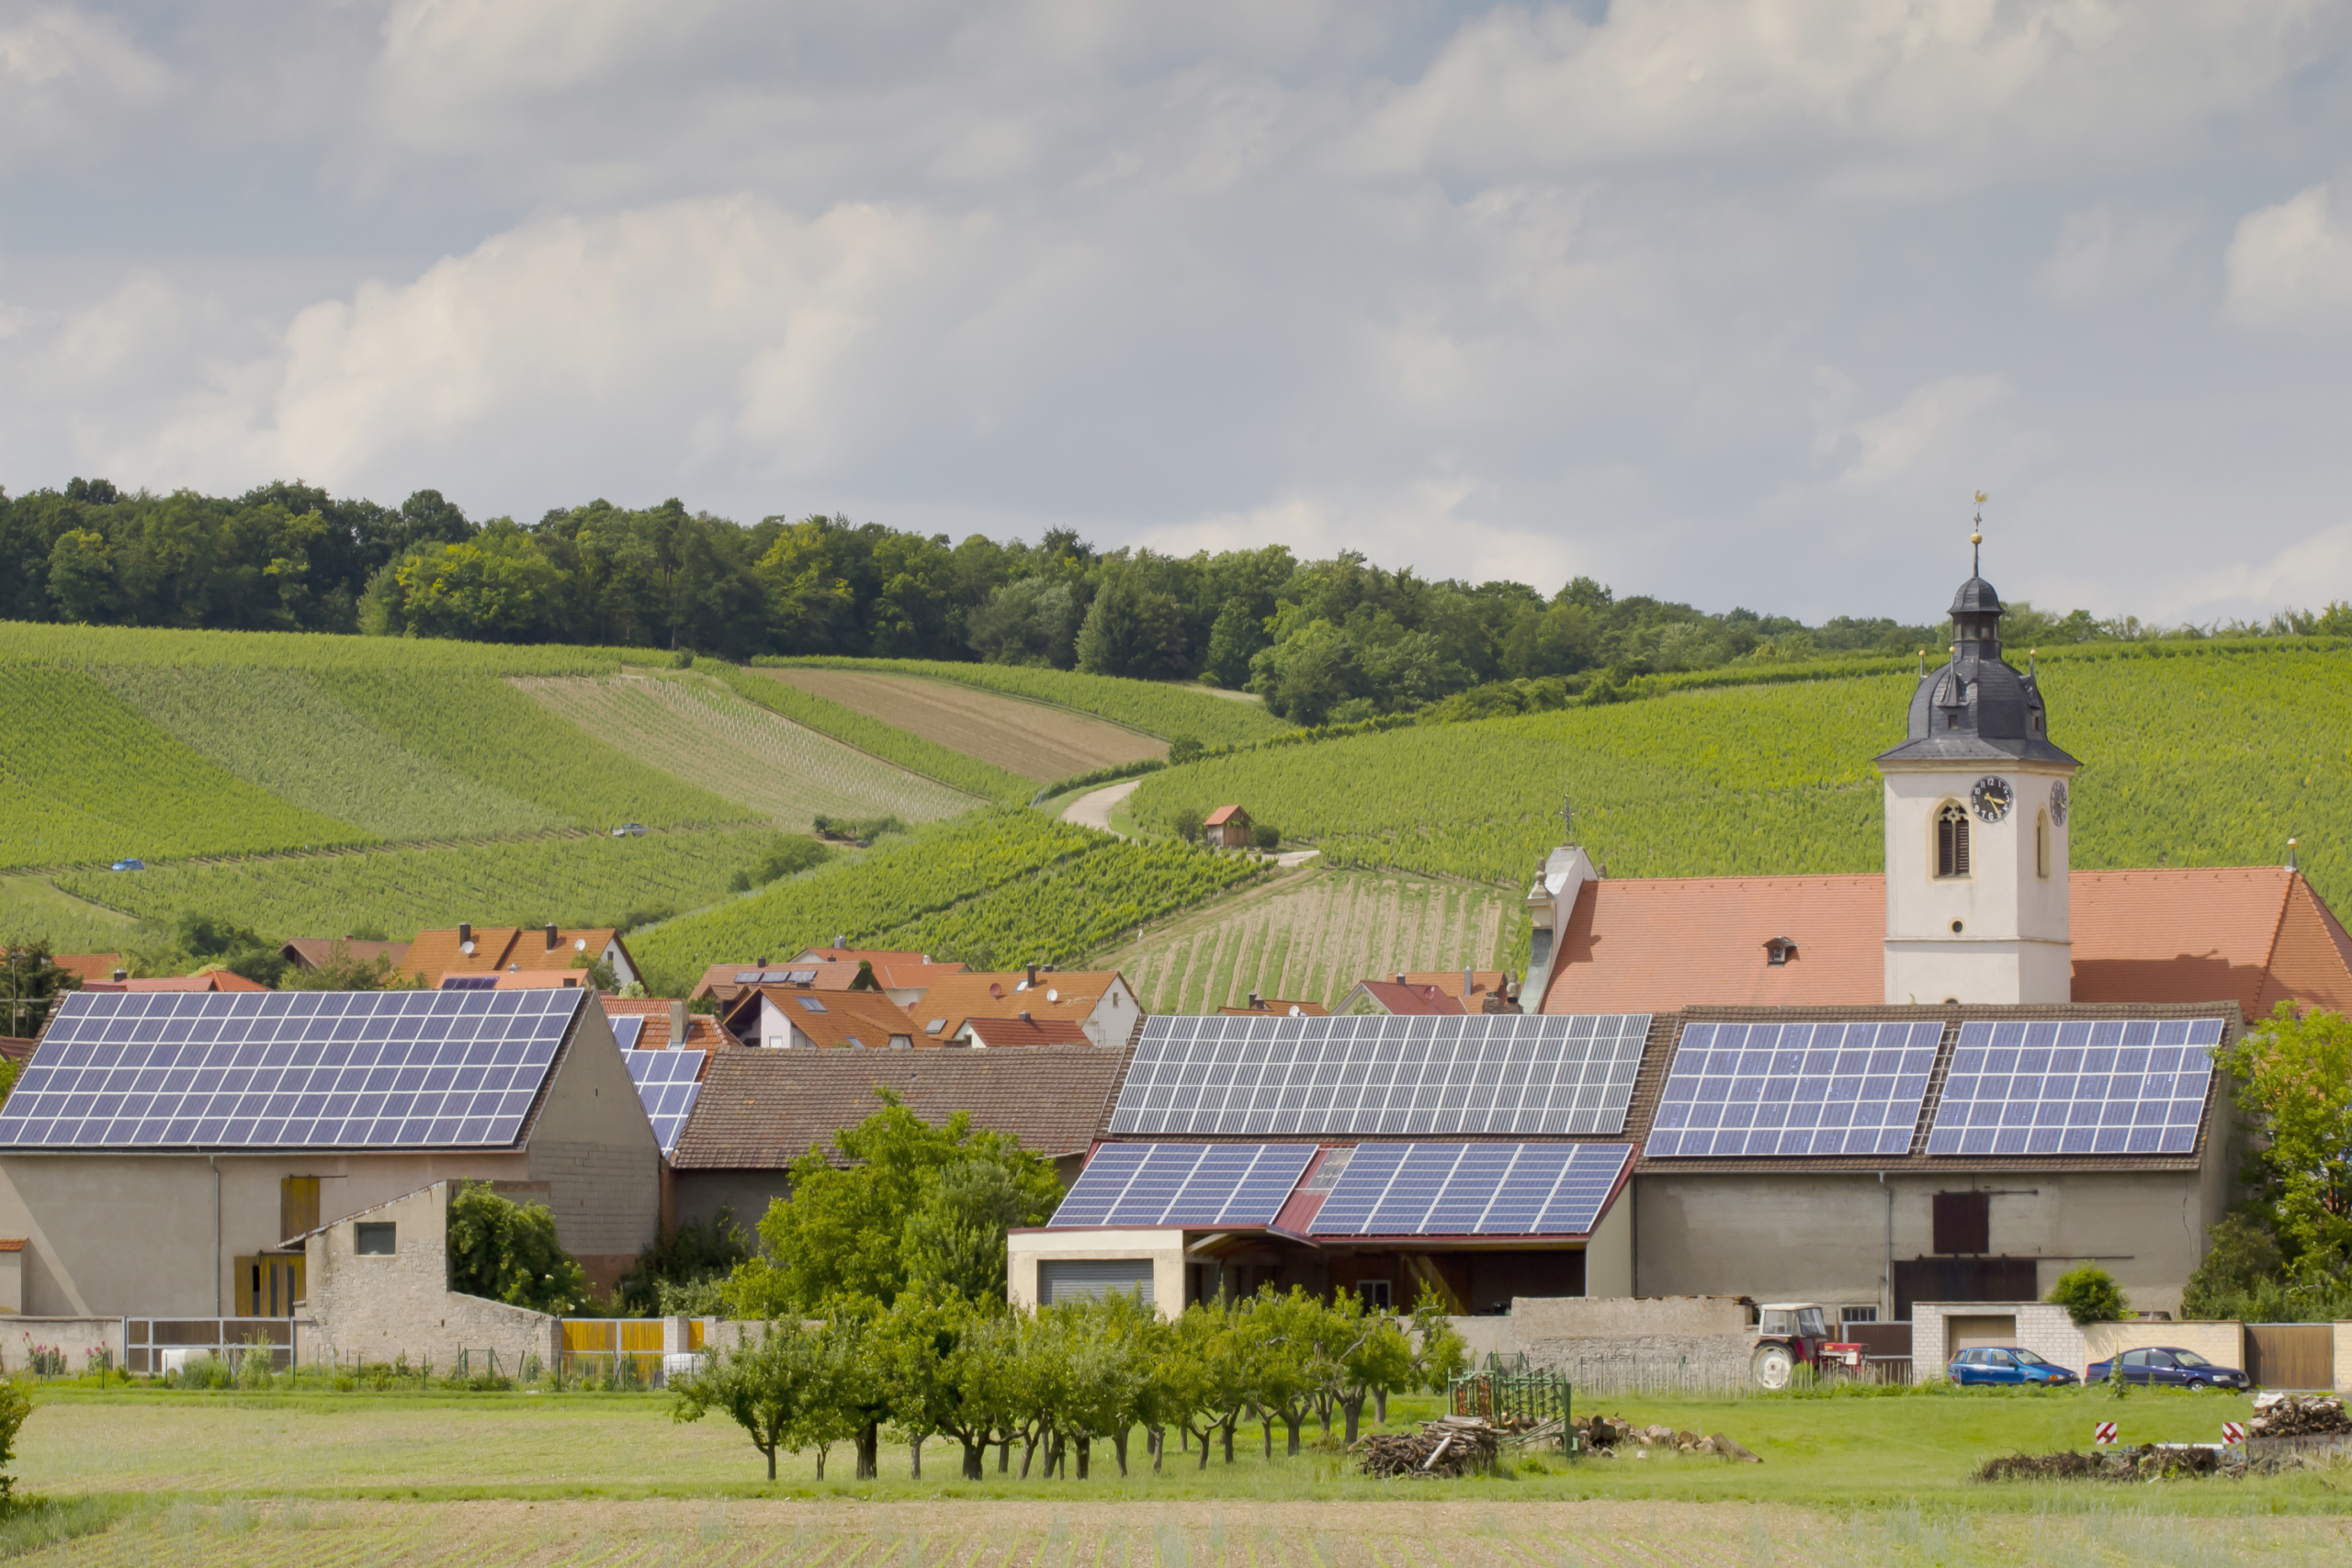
<point>767,1385</point>
<point>2294,1075</point>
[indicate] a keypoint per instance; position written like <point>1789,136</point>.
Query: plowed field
<point>716,740</point>
<point>1311,936</point>
<point>1029,738</point>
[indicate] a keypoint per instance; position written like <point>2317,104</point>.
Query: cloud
<point>1947,436</point>
<point>2102,253</point>
<point>1951,84</point>
<point>67,82</point>
<point>2290,267</point>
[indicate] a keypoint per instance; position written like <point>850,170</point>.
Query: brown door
<point>2291,1355</point>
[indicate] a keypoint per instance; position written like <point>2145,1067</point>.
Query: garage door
<point>1067,1278</point>
<point>1969,1333</point>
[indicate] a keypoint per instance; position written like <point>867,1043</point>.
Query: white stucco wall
<point>2014,943</point>
<point>1165,1248</point>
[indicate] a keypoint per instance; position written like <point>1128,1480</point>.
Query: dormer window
<point>1952,839</point>
<point>1779,950</point>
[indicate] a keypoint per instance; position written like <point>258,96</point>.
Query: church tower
<point>1976,825</point>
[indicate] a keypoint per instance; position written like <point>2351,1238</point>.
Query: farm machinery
<point>1789,1334</point>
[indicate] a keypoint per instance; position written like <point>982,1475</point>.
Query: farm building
<point>1949,1083</point>
<point>1226,827</point>
<point>434,957</point>
<point>1099,1001</point>
<point>162,1152</point>
<point>759,1110</point>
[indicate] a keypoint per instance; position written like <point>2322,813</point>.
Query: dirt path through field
<point>950,1534</point>
<point>1033,739</point>
<point>1092,809</point>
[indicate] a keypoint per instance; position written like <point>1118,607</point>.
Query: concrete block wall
<point>2046,1330</point>
<point>375,1308</point>
<point>2224,1343</point>
<point>2344,1357</point>
<point>76,1336</point>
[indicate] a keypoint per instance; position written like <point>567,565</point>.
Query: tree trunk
<point>1004,1454</point>
<point>869,1440</point>
<point>1085,1447</point>
<point>974,1456</point>
<point>823,1449</point>
<point>1226,1425</point>
<point>1294,1419</point>
<point>1380,1406</point>
<point>1204,1436</point>
<point>1353,1408</point>
<point>1323,1403</point>
<point>770,1452</point>
<point>1266,1420</point>
<point>1119,1446</point>
<point>915,1447</point>
<point>1028,1452</point>
<point>1156,1439</point>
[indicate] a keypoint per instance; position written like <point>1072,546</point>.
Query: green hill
<point>2193,754</point>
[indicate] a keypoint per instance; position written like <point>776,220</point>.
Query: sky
<point>1733,301</point>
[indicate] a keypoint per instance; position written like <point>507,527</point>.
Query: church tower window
<point>2041,845</point>
<point>1952,839</point>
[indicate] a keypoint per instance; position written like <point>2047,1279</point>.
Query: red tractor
<point>1789,1334</point>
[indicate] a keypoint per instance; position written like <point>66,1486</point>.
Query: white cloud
<point>1944,439</point>
<point>68,80</point>
<point>2102,253</point>
<point>2290,267</point>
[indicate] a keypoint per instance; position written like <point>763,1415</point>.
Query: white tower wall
<point>2011,943</point>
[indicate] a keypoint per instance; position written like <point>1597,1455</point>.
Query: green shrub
<point>2090,1294</point>
<point>508,1252</point>
<point>14,1406</point>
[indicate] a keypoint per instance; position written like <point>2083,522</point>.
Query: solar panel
<point>1344,1076</point>
<point>296,1069</point>
<point>1752,1091</point>
<point>1471,1190</point>
<point>1184,1184</point>
<point>626,1031</point>
<point>2108,1087</point>
<point>666,1082</point>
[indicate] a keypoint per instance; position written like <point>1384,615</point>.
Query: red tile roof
<point>1275,1007</point>
<point>89,965</point>
<point>997,1033</point>
<point>1058,994</point>
<point>1223,815</point>
<point>435,955</point>
<point>211,980</point>
<point>853,1019</point>
<point>1409,999</point>
<point>892,971</point>
<point>310,952</point>
<point>703,1032</point>
<point>2255,935</point>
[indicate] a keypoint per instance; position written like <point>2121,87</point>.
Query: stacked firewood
<point>1450,1445</point>
<point>2296,1415</point>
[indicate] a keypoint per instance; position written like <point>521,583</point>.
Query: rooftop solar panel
<point>1759,1091</point>
<point>298,1069</point>
<point>666,1082</point>
<point>2105,1087</point>
<point>1346,1077</point>
<point>626,1031</point>
<point>1199,1185</point>
<point>1471,1190</point>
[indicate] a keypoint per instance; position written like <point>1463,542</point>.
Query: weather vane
<point>1976,539</point>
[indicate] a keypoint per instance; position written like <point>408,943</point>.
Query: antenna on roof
<point>2291,854</point>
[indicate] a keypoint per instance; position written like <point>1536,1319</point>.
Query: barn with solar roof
<point>164,1155</point>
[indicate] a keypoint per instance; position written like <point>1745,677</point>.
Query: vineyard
<point>2188,759</point>
<point>699,731</point>
<point>1032,739</point>
<point>914,753</point>
<point>279,731</point>
<point>1160,708</point>
<point>1008,886</point>
<point>1310,936</point>
<point>592,881</point>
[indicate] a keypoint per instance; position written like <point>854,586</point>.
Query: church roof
<point>1974,706</point>
<point>2256,935</point>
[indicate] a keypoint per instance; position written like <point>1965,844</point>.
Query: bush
<point>508,1252</point>
<point>1183,749</point>
<point>13,1408</point>
<point>698,1254</point>
<point>2090,1295</point>
<point>855,829</point>
<point>1266,835</point>
<point>1186,822</point>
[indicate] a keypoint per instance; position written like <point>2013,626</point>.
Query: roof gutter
<point>214,1161</point>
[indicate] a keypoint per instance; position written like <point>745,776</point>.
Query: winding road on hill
<point>1092,809</point>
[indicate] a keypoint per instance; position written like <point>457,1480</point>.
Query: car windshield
<point>2189,1359</point>
<point>2028,1358</point>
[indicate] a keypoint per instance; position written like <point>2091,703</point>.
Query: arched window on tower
<point>2041,845</point>
<point>1952,839</point>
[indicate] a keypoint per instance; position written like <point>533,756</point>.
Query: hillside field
<point>1035,739</point>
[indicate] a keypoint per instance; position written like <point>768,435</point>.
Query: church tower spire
<point>1977,824</point>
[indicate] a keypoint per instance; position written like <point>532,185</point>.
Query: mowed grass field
<point>1309,935</point>
<point>529,1478</point>
<point>1032,738</point>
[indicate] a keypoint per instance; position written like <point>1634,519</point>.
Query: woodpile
<point>2296,1415</point>
<point>1450,1445</point>
<point>2147,1463</point>
<point>1613,1437</point>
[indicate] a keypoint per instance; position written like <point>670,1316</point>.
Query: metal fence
<point>1509,1391</point>
<point>153,1345</point>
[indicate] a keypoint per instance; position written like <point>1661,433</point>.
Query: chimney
<point>1469,983</point>
<point>1033,975</point>
<point>1024,1016</point>
<point>677,1025</point>
<point>1254,1001</point>
<point>121,975</point>
<point>465,931</point>
<point>552,938</point>
<point>840,940</point>
<point>1400,978</point>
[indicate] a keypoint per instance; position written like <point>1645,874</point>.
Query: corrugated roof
<point>762,1110</point>
<point>2255,935</point>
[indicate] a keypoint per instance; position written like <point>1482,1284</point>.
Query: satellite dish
<point>467,948</point>
<point>580,944</point>
<point>1053,996</point>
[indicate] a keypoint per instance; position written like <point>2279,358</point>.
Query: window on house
<point>376,1238</point>
<point>811,1003</point>
<point>1376,1294</point>
<point>2041,845</point>
<point>1952,839</point>
<point>1963,1222</point>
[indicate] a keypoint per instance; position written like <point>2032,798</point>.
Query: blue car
<point>2007,1364</point>
<point>2168,1366</point>
<point>128,866</point>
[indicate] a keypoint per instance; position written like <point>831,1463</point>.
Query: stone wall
<point>1609,1317</point>
<point>76,1336</point>
<point>377,1308</point>
<point>1628,1342</point>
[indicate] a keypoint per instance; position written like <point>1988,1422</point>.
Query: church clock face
<point>2058,803</point>
<point>1992,797</point>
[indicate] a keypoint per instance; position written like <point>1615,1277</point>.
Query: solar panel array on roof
<point>1184,1184</point>
<point>299,1069</point>
<point>774,977</point>
<point>2105,1087</point>
<point>1751,1091</point>
<point>1502,1073</point>
<point>626,1031</point>
<point>1471,1190</point>
<point>666,1082</point>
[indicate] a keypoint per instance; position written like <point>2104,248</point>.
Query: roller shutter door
<point>1067,1278</point>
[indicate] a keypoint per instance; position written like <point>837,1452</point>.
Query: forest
<point>1321,641</point>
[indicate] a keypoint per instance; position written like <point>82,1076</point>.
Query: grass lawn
<point>318,1477</point>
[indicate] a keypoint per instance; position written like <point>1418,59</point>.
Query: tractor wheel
<point>1773,1366</point>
